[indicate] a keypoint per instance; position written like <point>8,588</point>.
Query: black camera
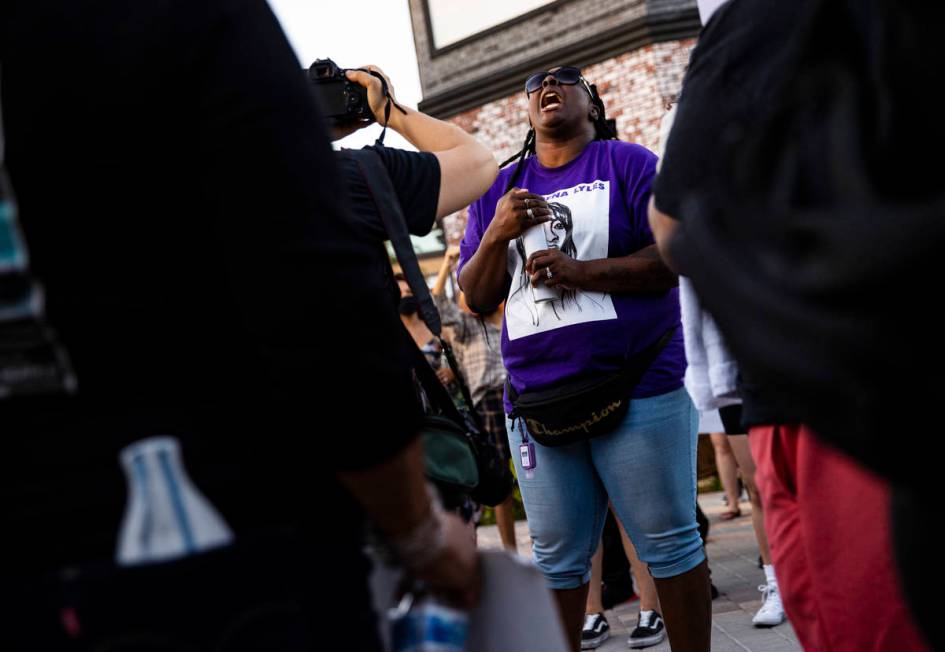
<point>344,102</point>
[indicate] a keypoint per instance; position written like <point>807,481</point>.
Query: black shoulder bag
<point>440,430</point>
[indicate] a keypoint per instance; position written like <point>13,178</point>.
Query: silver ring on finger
<point>526,202</point>
<point>548,272</point>
<point>530,213</point>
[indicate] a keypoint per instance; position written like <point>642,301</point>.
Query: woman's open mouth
<point>550,100</point>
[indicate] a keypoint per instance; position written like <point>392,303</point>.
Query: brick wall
<point>635,87</point>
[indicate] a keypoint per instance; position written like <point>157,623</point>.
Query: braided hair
<point>602,131</point>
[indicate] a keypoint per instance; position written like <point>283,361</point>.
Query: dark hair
<point>602,131</point>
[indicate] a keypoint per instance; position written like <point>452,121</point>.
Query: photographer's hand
<point>375,90</point>
<point>467,167</point>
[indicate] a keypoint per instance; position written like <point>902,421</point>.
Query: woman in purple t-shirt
<point>578,306</point>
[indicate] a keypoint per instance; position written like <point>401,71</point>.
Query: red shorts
<point>827,521</point>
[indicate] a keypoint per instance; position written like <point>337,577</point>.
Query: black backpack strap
<point>388,207</point>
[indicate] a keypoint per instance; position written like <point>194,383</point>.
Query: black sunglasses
<point>564,75</point>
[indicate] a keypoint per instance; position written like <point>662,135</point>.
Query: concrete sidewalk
<point>733,558</point>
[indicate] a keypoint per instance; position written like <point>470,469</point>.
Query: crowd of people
<point>212,303</point>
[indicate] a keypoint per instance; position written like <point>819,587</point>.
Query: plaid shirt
<point>480,360</point>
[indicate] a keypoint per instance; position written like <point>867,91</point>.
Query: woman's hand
<point>517,211</point>
<point>445,376</point>
<point>556,269</point>
<point>455,574</point>
<point>452,255</point>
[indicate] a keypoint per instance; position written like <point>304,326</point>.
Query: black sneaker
<point>649,630</point>
<point>596,631</point>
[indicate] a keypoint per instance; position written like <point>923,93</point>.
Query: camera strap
<point>390,101</point>
<point>388,207</point>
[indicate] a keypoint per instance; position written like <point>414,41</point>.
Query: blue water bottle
<point>420,623</point>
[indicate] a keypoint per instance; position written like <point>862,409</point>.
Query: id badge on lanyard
<point>526,451</point>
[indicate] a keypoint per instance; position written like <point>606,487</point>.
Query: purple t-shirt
<point>599,200</point>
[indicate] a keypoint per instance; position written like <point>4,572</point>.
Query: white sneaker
<point>772,611</point>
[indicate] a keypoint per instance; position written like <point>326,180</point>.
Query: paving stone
<point>733,558</point>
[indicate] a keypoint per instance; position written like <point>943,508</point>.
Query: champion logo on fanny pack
<point>536,427</point>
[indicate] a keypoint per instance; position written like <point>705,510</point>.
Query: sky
<point>354,33</point>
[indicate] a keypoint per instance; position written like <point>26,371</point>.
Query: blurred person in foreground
<point>825,512</point>
<point>712,379</point>
<point>614,309</point>
<point>181,206</point>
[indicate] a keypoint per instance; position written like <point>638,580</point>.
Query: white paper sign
<point>517,611</point>
<point>579,228</point>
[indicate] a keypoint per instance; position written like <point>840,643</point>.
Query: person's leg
<point>648,467</point>
<point>595,601</point>
<point>566,505</point>
<point>649,601</point>
<point>505,520</point>
<point>774,451</point>
<point>595,628</point>
<point>687,608</point>
<point>650,629</point>
<point>571,611</point>
<point>728,472</point>
<point>746,466</point>
<point>771,612</point>
<point>844,511</point>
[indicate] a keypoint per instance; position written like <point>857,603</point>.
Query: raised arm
<point>467,168</point>
<point>449,260</point>
<point>450,314</point>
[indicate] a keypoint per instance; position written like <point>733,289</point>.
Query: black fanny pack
<point>585,408</point>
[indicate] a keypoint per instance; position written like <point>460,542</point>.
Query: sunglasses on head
<point>564,75</point>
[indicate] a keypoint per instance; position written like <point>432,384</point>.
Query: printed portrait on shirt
<point>579,228</point>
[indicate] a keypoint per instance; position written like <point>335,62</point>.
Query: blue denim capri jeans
<point>646,468</point>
